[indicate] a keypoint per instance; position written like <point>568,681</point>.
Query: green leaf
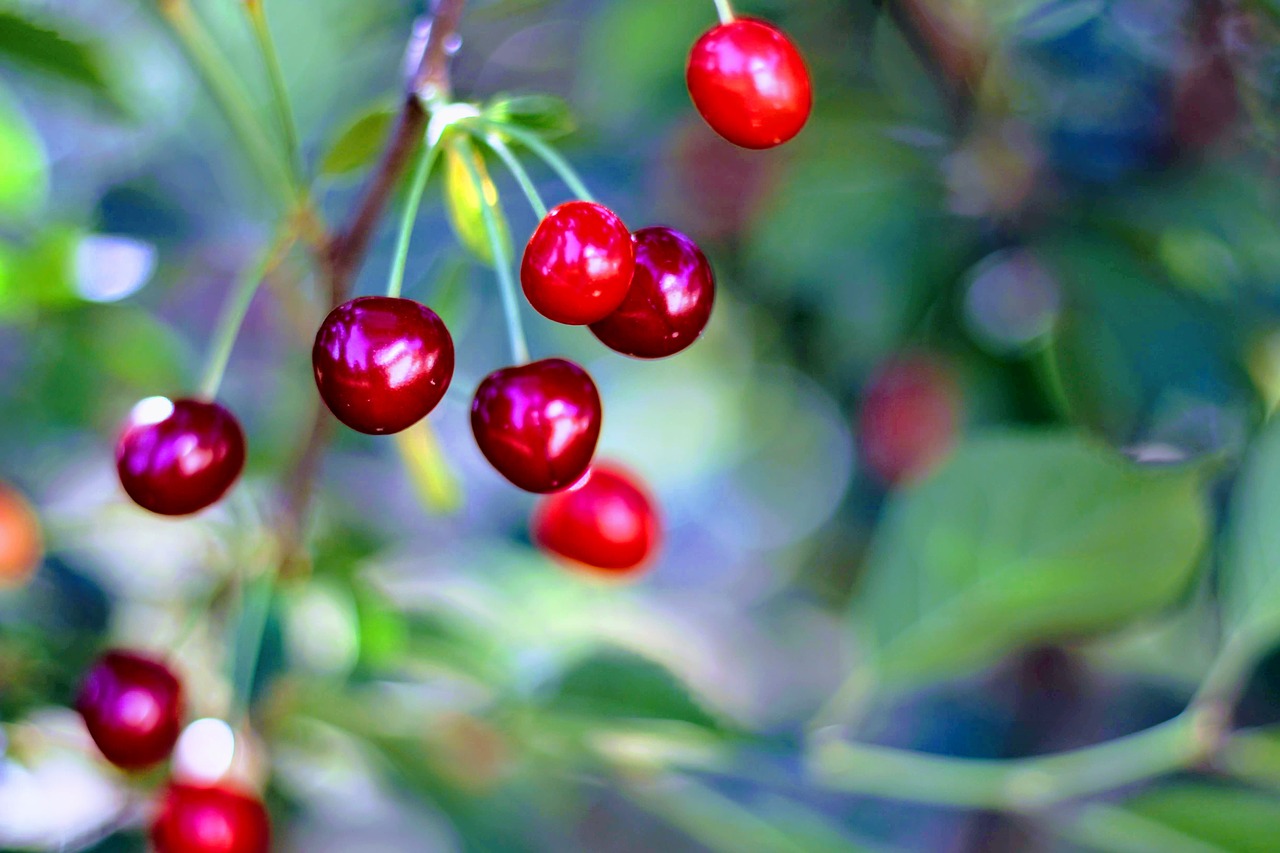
<point>465,203</point>
<point>24,170</point>
<point>612,683</point>
<point>40,275</point>
<point>1231,819</point>
<point>359,142</point>
<point>1250,590</point>
<point>1019,539</point>
<point>434,482</point>
<point>547,115</point>
<point>45,50</point>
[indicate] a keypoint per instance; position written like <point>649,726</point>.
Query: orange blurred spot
<point>21,542</point>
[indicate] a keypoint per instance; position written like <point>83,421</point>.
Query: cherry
<point>210,819</point>
<point>670,298</point>
<point>577,266</point>
<point>909,418</point>
<point>382,363</point>
<point>538,423</point>
<point>21,541</point>
<point>132,705</point>
<point>178,457</point>
<point>607,521</point>
<point>750,83</point>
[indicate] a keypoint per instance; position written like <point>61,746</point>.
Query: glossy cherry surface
<point>538,423</point>
<point>382,363</point>
<point>177,457</point>
<point>670,299</point>
<point>577,265</point>
<point>606,522</point>
<point>210,819</point>
<point>750,83</point>
<point>132,706</point>
<point>909,417</point>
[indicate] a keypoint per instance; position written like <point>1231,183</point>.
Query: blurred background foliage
<point>1041,235</point>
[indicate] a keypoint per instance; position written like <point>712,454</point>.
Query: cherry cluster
<point>133,707</point>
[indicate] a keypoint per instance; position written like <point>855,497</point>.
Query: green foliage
<point>465,202</point>
<point>1021,539</point>
<point>24,171</point>
<point>360,141</point>
<point>612,683</point>
<point>1230,819</point>
<point>547,115</point>
<point>38,46</point>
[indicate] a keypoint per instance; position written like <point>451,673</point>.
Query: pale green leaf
<point>464,202</point>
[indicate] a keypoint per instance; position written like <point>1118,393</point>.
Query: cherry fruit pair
<point>133,707</point>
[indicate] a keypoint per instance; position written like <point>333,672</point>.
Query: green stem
<point>234,311</point>
<point>255,610</point>
<point>544,152</point>
<point>279,93</point>
<point>1116,830</point>
<point>495,144</point>
<point>709,817</point>
<point>428,159</point>
<point>725,11</point>
<point>502,265</point>
<point>1230,669</point>
<point>1252,756</point>
<point>225,88</point>
<point>1023,784</point>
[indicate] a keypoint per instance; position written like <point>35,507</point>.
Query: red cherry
<point>178,457</point>
<point>538,423</point>
<point>132,706</point>
<point>215,819</point>
<point>578,263</point>
<point>670,298</point>
<point>382,363</point>
<point>606,522</point>
<point>750,83</point>
<point>909,417</point>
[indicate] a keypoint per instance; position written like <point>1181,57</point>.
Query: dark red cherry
<point>578,263</point>
<point>382,363</point>
<point>750,83</point>
<point>670,298</point>
<point>909,418</point>
<point>606,522</point>
<point>538,423</point>
<point>132,706</point>
<point>177,457</point>
<point>210,819</point>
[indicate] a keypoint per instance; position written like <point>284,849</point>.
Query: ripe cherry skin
<point>132,706</point>
<point>538,423</point>
<point>606,522</point>
<point>670,299</point>
<point>577,265</point>
<point>178,457</point>
<point>382,363</point>
<point>750,83</point>
<point>909,418</point>
<point>210,819</point>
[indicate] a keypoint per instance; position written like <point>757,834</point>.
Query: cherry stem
<point>234,311</point>
<point>502,265</point>
<point>725,11</point>
<point>546,153</point>
<point>279,93</point>
<point>496,144</point>
<point>255,609</point>
<point>225,87</point>
<point>425,163</point>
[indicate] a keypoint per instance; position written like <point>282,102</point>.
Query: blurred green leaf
<point>1250,581</point>
<point>39,275</point>
<point>1023,538</point>
<point>360,141</point>
<point>548,115</point>
<point>1234,820</point>
<point>465,203</point>
<point>45,50</point>
<point>434,482</point>
<point>613,683</point>
<point>24,170</point>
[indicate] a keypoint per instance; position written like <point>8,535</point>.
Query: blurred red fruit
<point>198,819</point>
<point>21,542</point>
<point>607,522</point>
<point>909,418</point>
